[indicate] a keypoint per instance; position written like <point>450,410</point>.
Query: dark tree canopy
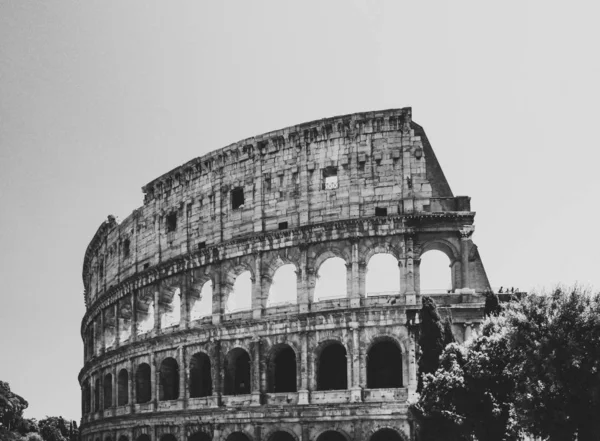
<point>431,339</point>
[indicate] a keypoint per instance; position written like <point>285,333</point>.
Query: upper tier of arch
<point>361,165</point>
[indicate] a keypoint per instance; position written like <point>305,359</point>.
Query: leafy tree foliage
<point>11,407</point>
<point>533,369</point>
<point>492,304</point>
<point>557,343</point>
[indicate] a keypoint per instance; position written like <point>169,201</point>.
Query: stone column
<point>182,371</point>
<point>117,325</point>
<point>303,389</point>
<point>156,310</point>
<point>257,295</point>
<point>114,388</point>
<point>255,371</point>
<point>134,317</point>
<point>354,286</point>
<point>465,237</point>
<point>184,308</point>
<point>216,372</point>
<point>217,298</point>
<point>302,280</point>
<point>154,380</point>
<point>355,390</point>
<point>408,273</point>
<point>131,393</point>
<point>102,334</point>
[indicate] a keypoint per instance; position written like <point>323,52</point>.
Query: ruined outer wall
<point>380,162</point>
<point>383,161</point>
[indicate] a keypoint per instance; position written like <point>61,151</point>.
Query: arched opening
<point>110,329</point>
<point>282,370</point>
<point>331,280</point>
<point>143,392</point>
<point>331,435</point>
<point>237,372</point>
<point>435,274</point>
<point>169,380</point>
<point>170,307</point>
<point>283,288</point>
<point>383,275</point>
<point>332,373</point>
<point>201,304</point>
<point>123,388</point>
<point>386,435</point>
<point>108,391</point>
<point>200,376</point>
<point>240,298</point>
<point>145,312</point>
<point>87,397</point>
<point>199,436</point>
<point>281,436</point>
<point>168,437</point>
<point>384,365</point>
<point>97,386</point>
<point>124,319</point>
<point>143,437</point>
<point>237,436</point>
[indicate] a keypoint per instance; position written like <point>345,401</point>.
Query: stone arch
<point>331,371</point>
<point>443,245</point>
<point>200,375</point>
<point>199,436</point>
<point>123,387</point>
<point>282,368</point>
<point>403,345</point>
<point>380,247</point>
<point>237,435</point>
<point>324,252</point>
<point>284,279</point>
<point>382,274</point>
<point>281,434</point>
<point>107,386</point>
<point>200,298</point>
<point>168,375</point>
<point>332,434</point>
<point>145,310</point>
<point>238,372</point>
<point>143,384</point>
<point>385,362</point>
<point>169,301</point>
<point>323,286</point>
<point>232,276</point>
<point>386,432</point>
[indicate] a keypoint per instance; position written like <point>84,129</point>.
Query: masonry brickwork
<point>348,187</point>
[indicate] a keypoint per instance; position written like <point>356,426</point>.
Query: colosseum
<point>270,290</point>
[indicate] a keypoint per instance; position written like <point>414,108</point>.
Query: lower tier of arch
<point>301,423</point>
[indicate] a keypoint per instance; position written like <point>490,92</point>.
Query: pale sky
<point>97,98</point>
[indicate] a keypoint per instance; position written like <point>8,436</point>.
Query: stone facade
<point>157,368</point>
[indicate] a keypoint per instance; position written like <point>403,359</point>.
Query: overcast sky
<point>97,98</point>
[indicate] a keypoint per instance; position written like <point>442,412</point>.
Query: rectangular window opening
<point>380,211</point>
<point>171,222</point>
<point>237,198</point>
<point>201,245</point>
<point>330,178</point>
<point>283,225</point>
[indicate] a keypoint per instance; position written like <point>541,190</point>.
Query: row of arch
<point>383,434</point>
<point>383,277</point>
<point>384,370</point>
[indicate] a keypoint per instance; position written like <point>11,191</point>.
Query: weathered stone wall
<point>391,197</point>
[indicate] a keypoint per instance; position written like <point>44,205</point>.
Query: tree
<point>556,339</point>
<point>58,429</point>
<point>492,304</point>
<point>535,368</point>
<point>11,407</point>
<point>470,394</point>
<point>431,339</point>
